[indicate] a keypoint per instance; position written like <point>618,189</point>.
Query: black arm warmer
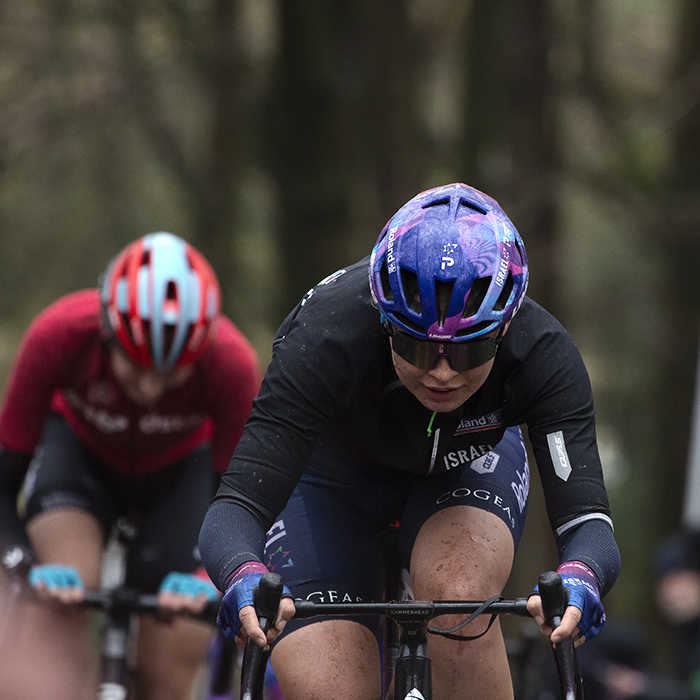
<point>223,525</point>
<point>13,467</point>
<point>593,543</point>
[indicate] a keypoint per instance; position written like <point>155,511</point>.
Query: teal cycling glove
<point>188,585</point>
<point>54,576</point>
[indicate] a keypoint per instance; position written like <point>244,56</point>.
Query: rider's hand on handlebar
<point>237,618</point>
<point>568,626</point>
<point>181,592</point>
<point>584,617</point>
<point>57,582</point>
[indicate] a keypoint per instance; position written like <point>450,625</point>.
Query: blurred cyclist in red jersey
<point>124,402</point>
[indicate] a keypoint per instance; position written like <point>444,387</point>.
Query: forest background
<point>278,137</point>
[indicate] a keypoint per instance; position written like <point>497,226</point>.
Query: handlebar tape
<point>267,598</point>
<point>555,597</point>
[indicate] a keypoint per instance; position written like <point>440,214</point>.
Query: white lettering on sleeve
<point>560,457</point>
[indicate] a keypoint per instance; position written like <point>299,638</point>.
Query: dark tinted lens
<point>461,356</point>
<point>471,353</point>
<point>419,353</point>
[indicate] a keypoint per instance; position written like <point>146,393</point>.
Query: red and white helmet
<point>161,300</point>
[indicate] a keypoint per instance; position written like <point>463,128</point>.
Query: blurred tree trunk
<point>680,229</point>
<point>344,135</point>
<point>228,151</point>
<point>312,120</point>
<point>398,148</point>
<point>510,136</point>
<point>510,153</point>
<point>210,176</point>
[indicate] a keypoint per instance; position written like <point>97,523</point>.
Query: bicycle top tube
<point>412,609</point>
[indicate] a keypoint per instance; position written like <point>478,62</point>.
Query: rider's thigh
<point>328,659</point>
<point>171,655</point>
<point>70,537</point>
<point>42,655</point>
<point>51,648</point>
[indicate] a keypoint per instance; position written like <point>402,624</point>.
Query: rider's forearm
<point>593,543</point>
<point>229,537</point>
<point>13,467</point>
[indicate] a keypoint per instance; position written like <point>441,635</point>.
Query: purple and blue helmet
<point>449,265</point>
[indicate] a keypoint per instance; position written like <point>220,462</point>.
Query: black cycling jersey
<point>331,379</point>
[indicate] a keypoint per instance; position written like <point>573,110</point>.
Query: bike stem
<point>412,668</point>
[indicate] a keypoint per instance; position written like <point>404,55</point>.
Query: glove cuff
<point>577,569</point>
<point>249,567</point>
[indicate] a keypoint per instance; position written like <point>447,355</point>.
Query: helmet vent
<point>171,291</point>
<point>477,294</point>
<point>472,330</point>
<point>437,203</point>
<point>471,205</point>
<point>443,296</point>
<point>505,293</point>
<point>168,338</point>
<point>188,336</point>
<point>127,328</point>
<point>146,258</point>
<point>148,339</point>
<point>405,321</point>
<point>386,287</point>
<point>462,203</point>
<point>409,280</point>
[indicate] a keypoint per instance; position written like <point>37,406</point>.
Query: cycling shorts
<point>166,508</point>
<point>327,542</point>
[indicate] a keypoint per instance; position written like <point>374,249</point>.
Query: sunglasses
<point>425,353</point>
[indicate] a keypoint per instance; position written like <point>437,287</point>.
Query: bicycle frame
<point>120,604</point>
<point>412,669</point>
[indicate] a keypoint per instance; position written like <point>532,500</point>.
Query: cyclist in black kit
<point>395,392</point>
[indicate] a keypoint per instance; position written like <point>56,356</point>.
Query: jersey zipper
<point>433,455</point>
<point>436,440</point>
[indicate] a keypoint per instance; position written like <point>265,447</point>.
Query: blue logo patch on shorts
<point>486,464</point>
